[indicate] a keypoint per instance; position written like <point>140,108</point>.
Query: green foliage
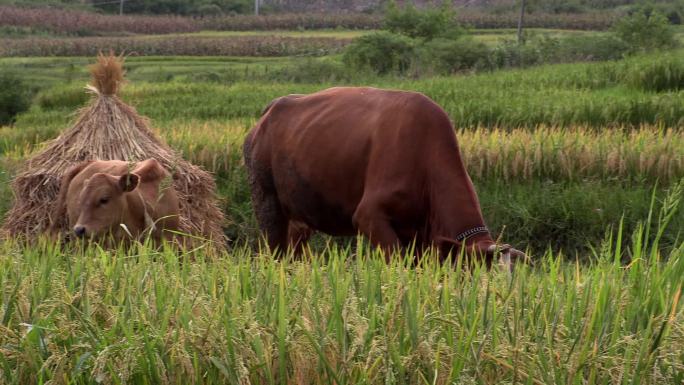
<point>424,24</point>
<point>381,52</point>
<point>567,49</point>
<point>565,215</point>
<point>665,74</point>
<point>645,32</point>
<point>315,71</point>
<point>509,54</point>
<point>14,97</point>
<point>587,48</point>
<point>672,10</point>
<point>448,56</point>
<point>62,97</point>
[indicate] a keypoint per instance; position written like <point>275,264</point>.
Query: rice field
<point>582,165</point>
<point>341,316</point>
<point>596,95</point>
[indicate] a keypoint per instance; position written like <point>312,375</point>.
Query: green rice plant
<point>84,315</point>
<point>586,94</point>
<point>665,74</point>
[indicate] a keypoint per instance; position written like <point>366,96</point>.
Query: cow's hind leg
<point>372,221</point>
<point>269,214</point>
<point>298,235</point>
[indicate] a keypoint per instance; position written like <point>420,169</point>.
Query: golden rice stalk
<point>108,73</point>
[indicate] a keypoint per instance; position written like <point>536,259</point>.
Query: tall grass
<point>342,316</point>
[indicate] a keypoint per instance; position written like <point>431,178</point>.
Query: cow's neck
<point>455,208</point>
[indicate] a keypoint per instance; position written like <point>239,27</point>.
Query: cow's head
<point>485,250</point>
<point>504,254</point>
<point>103,203</point>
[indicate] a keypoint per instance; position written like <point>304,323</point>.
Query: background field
<point>543,134</point>
<point>580,163</point>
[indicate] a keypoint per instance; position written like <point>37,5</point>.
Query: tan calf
<point>120,199</point>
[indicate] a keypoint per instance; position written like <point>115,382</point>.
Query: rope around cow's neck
<point>471,232</point>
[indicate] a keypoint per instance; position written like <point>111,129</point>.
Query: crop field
<point>579,164</point>
<point>226,43</point>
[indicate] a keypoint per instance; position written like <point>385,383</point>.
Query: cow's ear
<point>129,182</point>
<point>150,170</point>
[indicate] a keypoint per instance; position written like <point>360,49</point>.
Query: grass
<point>342,316</point>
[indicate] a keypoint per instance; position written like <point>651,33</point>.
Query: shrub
<point>14,98</point>
<point>449,56</point>
<point>659,75</point>
<point>511,54</point>
<point>381,52</point>
<point>426,24</point>
<point>674,12</point>
<point>646,31</point>
<point>313,71</point>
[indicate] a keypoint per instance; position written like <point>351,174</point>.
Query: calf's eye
<point>103,201</point>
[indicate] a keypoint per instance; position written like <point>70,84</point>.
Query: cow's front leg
<point>370,220</point>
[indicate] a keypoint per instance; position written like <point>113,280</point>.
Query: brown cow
<point>383,163</point>
<point>102,197</point>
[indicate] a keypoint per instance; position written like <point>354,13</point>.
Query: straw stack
<point>108,129</point>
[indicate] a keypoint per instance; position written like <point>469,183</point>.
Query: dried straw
<point>108,129</point>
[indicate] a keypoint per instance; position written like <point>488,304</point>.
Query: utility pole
<point>520,21</point>
<point>256,7</point>
<point>121,7</point>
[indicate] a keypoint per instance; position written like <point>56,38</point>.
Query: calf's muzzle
<point>80,231</point>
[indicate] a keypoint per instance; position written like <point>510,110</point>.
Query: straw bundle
<point>108,129</point>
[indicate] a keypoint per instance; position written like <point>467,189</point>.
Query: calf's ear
<point>129,182</point>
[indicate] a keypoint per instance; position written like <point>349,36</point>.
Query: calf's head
<point>103,204</point>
